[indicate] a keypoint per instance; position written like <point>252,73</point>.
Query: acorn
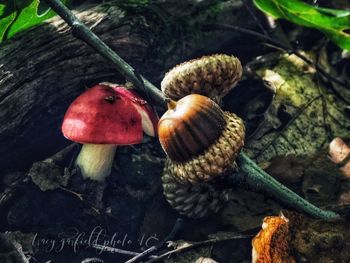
<point>194,201</point>
<point>200,140</point>
<point>213,76</point>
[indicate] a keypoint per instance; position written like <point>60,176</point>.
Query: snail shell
<point>213,76</point>
<point>210,156</point>
<point>194,201</point>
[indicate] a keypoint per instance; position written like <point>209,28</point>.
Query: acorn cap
<point>213,76</point>
<point>217,158</point>
<point>194,201</point>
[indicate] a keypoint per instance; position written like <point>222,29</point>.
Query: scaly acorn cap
<point>217,159</point>
<point>201,141</point>
<point>194,201</point>
<point>199,144</point>
<point>213,76</point>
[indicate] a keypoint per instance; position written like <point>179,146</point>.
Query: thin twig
<point>213,26</point>
<point>152,249</point>
<point>146,253</point>
<point>92,260</point>
<point>78,195</point>
<point>81,31</point>
<point>197,244</point>
<point>290,122</point>
<point>252,14</point>
<point>285,48</point>
<point>115,250</point>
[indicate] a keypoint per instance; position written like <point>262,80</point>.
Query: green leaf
<point>334,12</point>
<point>7,16</point>
<point>331,22</point>
<point>19,15</point>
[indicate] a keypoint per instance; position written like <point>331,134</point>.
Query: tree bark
<point>42,70</point>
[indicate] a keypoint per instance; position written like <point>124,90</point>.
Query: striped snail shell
<point>213,76</point>
<point>201,140</point>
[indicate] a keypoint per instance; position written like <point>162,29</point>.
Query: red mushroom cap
<point>104,114</point>
<point>149,116</point>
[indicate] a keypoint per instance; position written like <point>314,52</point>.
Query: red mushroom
<point>102,118</point>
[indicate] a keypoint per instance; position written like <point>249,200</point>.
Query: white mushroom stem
<point>95,160</point>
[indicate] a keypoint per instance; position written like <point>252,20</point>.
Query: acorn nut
<point>200,139</point>
<point>213,76</point>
